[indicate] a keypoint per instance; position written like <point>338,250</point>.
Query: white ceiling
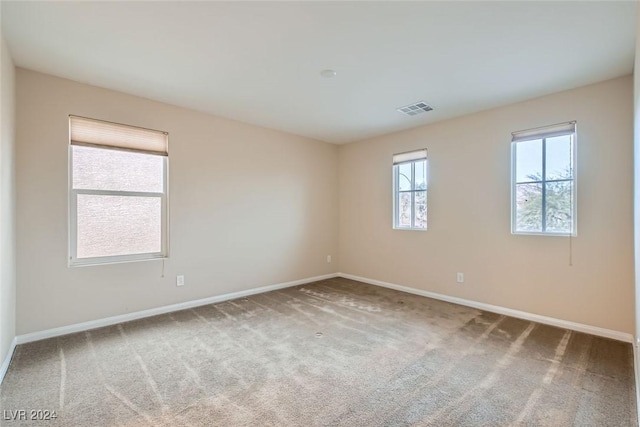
<point>260,62</point>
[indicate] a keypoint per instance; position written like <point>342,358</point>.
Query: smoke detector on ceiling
<point>415,108</point>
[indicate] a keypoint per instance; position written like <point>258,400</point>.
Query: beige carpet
<point>335,352</point>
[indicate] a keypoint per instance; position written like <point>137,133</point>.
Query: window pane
<point>404,176</point>
<point>118,225</point>
<point>529,161</point>
<point>529,207</point>
<point>421,175</point>
<point>103,169</point>
<point>420,209</point>
<point>559,157</point>
<point>404,210</point>
<point>559,207</point>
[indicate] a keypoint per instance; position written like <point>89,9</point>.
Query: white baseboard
<point>565,324</point>
<point>93,324</point>
<point>7,360</point>
<point>80,327</point>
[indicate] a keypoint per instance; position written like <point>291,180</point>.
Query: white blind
<point>84,131</point>
<point>409,156</point>
<point>544,132</point>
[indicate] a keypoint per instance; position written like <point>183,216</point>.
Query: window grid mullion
<point>548,180</point>
<point>118,193</point>
<point>544,185</point>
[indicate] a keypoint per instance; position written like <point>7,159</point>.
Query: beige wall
<point>7,203</point>
<point>252,207</point>
<point>469,211</point>
<point>248,207</point>
<point>636,182</point>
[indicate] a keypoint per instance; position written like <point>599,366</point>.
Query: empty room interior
<point>319,213</point>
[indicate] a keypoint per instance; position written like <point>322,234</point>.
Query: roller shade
<point>84,131</point>
<point>544,132</point>
<point>409,156</point>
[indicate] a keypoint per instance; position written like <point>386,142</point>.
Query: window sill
<point>409,229</point>
<point>114,260</point>
<point>534,233</point>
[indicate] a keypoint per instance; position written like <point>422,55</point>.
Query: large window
<point>543,180</point>
<point>410,190</point>
<point>118,192</point>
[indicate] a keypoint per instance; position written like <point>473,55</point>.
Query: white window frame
<point>396,187</point>
<point>74,261</point>
<point>543,134</point>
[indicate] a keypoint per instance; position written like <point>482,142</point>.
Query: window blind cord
<point>570,250</point>
<point>162,273</point>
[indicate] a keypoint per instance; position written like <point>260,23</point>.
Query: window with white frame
<point>118,192</point>
<point>543,180</point>
<point>410,190</point>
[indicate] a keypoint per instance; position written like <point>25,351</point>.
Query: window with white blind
<point>410,190</point>
<point>118,192</point>
<point>543,180</point>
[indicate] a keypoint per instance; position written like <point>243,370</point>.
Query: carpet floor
<point>330,353</point>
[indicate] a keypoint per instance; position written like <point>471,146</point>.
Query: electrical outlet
<point>180,280</point>
<point>329,258</point>
<point>460,277</point>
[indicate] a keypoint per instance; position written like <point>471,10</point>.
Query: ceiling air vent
<point>417,108</point>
